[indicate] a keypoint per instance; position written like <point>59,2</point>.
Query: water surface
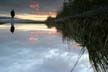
<point>34,48</point>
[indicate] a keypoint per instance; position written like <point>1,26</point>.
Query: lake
<point>35,48</point>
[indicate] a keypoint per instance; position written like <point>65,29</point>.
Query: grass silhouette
<point>90,32</point>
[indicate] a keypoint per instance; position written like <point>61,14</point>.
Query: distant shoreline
<point>4,20</point>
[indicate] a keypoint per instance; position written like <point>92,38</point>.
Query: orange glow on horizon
<point>40,16</point>
<point>46,13</point>
<point>32,17</point>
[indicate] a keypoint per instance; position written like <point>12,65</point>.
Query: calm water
<point>34,48</point>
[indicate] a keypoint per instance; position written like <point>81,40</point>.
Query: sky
<point>24,8</point>
<point>34,48</point>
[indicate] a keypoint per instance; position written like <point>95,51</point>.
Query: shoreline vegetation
<point>86,22</point>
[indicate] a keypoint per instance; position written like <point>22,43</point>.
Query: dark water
<point>34,48</point>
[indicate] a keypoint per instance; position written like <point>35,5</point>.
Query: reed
<point>90,33</point>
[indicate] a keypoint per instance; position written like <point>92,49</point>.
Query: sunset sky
<point>31,9</point>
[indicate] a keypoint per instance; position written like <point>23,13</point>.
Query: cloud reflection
<point>33,39</point>
<point>18,54</point>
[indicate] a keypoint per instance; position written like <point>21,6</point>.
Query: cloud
<point>34,6</point>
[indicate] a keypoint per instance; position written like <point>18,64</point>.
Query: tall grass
<point>90,33</point>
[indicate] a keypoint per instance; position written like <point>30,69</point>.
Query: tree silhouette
<point>12,13</point>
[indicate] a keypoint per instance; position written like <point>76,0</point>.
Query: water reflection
<point>33,39</point>
<point>45,32</point>
<point>12,28</point>
<point>27,27</point>
<point>34,48</point>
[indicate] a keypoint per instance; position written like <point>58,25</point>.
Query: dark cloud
<point>22,6</point>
